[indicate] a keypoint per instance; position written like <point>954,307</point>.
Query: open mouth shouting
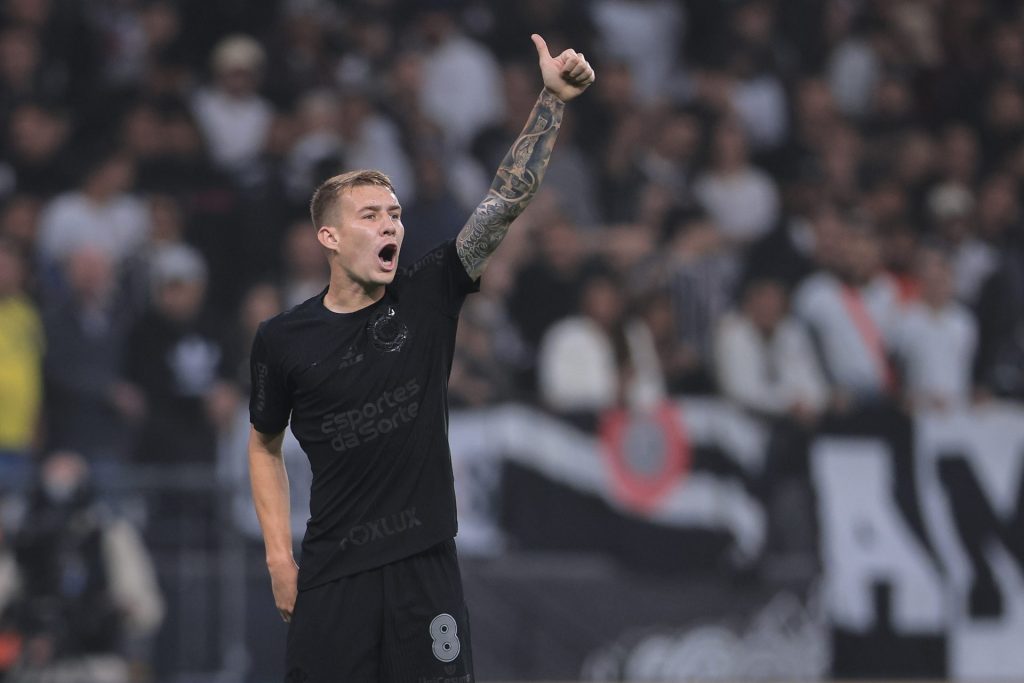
<point>388,256</point>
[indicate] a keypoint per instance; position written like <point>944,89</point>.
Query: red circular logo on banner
<point>648,453</point>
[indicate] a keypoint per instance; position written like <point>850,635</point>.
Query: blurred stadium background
<point>739,400</point>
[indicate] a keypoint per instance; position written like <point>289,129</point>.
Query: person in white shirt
<point>234,119</point>
<point>102,215</point>
<point>460,90</point>
<point>742,199</point>
<point>935,339</point>
<point>601,358</point>
<point>951,209</point>
<point>764,359</point>
<point>647,35</point>
<point>850,314</point>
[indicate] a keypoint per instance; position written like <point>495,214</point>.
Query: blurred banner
<point>661,546</point>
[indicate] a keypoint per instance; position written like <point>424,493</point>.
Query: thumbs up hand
<point>566,75</point>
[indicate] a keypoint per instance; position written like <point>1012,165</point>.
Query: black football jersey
<point>366,396</point>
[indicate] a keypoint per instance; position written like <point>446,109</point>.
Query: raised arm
<point>520,173</point>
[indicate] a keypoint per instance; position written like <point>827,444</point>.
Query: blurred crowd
<point>803,206</point>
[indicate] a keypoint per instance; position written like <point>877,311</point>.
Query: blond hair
<point>326,197</point>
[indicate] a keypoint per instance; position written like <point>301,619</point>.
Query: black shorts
<point>405,622</point>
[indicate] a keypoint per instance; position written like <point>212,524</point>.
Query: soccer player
<point>361,371</point>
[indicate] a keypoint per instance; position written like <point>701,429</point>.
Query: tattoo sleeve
<point>514,185</point>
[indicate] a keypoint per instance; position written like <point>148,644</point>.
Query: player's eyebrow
<point>378,207</point>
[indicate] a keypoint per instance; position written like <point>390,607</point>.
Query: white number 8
<point>443,630</point>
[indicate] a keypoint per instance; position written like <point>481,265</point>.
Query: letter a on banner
<point>867,542</point>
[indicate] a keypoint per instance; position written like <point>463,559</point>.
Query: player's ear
<point>328,237</point>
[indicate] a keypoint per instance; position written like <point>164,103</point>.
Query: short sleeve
<point>269,402</point>
<point>440,274</point>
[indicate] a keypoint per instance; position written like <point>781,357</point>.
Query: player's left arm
<point>521,171</point>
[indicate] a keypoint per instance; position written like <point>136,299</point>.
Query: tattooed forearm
<point>514,185</point>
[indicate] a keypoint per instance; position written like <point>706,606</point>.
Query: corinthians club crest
<point>387,332</point>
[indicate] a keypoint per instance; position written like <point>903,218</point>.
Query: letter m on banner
<point>970,475</point>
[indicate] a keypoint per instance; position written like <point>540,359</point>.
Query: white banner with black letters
<point>921,526</point>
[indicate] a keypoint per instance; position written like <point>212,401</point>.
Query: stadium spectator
<point>645,35</point>
<point>749,86</point>
<point>600,122</point>
<point>999,212</point>
<point>318,142</point>
<point>170,155</point>
<point>602,357</point>
<point>302,46</point>
<point>478,377</point>
<point>1000,311</point>
<point>86,583</point>
<point>741,199</point>
<point>132,36</point>
<point>547,287</point>
<point>899,246</point>
<point>460,86</point>
<point>935,339</point>
<point>765,361</point>
<point>180,360</point>
<point>21,378</point>
<point>436,212</point>
<point>855,69</point>
<point>815,113</point>
<point>101,213</point>
<point>67,45</point>
<point>668,163</point>
<point>19,222</point>
<point>88,406</point>
<point>37,142</point>
<point>371,140</point>
<point>20,56</point>
<point>25,71</point>
<point>492,362</point>
<point>234,118</point>
<point>1004,117</point>
<point>850,312</point>
<point>167,227</point>
<point>305,271</point>
<point>951,208</point>
<point>960,154</point>
<point>701,274</point>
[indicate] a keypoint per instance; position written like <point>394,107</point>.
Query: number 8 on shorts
<point>443,631</point>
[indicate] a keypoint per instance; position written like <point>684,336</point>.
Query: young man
<point>361,370</point>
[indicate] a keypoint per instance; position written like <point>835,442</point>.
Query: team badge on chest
<point>387,331</point>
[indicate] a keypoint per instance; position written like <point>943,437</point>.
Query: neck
<point>97,196</point>
<point>730,168</point>
<point>346,296</point>
<point>854,280</point>
<point>92,301</point>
